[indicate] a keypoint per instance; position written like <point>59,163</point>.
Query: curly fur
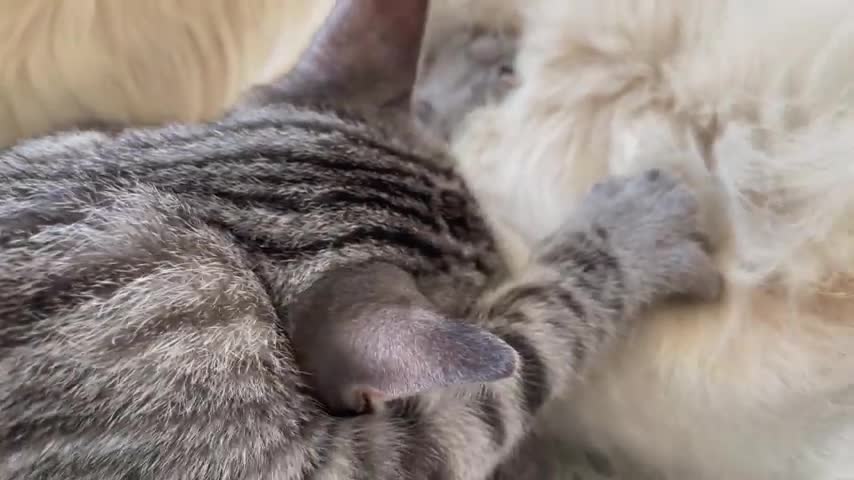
<point>64,64</point>
<point>752,102</point>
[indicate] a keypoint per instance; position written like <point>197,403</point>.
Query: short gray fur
<point>155,287</point>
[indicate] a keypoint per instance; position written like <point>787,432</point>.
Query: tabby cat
<point>178,303</point>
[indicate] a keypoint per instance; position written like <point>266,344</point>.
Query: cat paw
<point>650,224</point>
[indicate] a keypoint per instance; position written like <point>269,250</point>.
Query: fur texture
<point>750,101</point>
<point>148,283</point>
<point>155,288</point>
<point>469,68</point>
<point>66,64</point>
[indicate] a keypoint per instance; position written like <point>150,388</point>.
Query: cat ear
<point>366,52</point>
<point>367,335</point>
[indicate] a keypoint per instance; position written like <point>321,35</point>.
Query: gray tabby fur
<point>148,283</point>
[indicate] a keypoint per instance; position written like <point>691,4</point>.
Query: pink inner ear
<point>368,399</point>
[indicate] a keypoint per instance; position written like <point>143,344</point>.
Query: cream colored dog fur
<point>751,100</point>
<point>65,63</point>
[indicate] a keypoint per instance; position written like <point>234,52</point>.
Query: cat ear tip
<point>500,360</point>
<point>488,357</point>
<point>506,361</point>
<point>498,367</point>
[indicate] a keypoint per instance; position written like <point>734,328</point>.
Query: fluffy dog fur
<point>67,63</point>
<point>751,101</point>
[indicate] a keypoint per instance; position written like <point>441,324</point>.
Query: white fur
<point>752,101</point>
<point>63,63</point>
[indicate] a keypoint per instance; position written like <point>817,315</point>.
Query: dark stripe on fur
<point>421,453</point>
<point>535,384</point>
<point>489,412</point>
<point>570,303</point>
<point>323,450</point>
<point>523,293</point>
<point>364,461</point>
<point>328,203</point>
<point>361,236</point>
<point>579,351</point>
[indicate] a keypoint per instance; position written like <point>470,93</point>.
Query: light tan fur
<point>69,62</point>
<point>448,15</point>
<point>752,101</point>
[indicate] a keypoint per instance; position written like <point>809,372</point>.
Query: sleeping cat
<point>165,294</point>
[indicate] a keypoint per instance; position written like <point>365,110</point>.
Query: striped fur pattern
<point>149,283</point>
<point>145,284</point>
